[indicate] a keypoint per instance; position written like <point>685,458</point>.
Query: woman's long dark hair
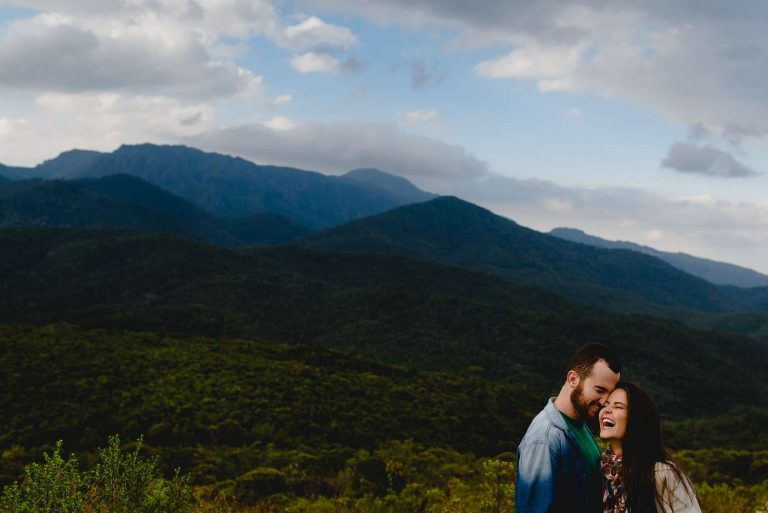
<point>642,448</point>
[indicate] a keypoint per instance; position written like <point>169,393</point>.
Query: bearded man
<point>558,459</point>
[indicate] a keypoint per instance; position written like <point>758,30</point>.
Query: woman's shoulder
<point>676,489</point>
<point>668,473</point>
<point>664,467</point>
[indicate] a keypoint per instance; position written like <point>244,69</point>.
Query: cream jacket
<point>677,498</point>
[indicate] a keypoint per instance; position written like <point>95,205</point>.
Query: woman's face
<point>613,417</point>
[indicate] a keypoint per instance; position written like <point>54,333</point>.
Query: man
<point>558,460</point>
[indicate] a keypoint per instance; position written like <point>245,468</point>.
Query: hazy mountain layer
<point>719,273</point>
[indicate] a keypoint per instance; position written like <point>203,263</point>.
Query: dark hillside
<point>123,201</point>
<point>453,231</point>
<point>401,311</point>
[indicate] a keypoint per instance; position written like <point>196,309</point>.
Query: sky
<point>641,121</point>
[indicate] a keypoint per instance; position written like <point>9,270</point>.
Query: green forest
<point>141,371</point>
<point>260,426</point>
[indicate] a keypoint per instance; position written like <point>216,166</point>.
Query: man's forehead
<point>601,372</point>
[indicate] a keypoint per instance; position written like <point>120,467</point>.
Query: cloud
<point>50,54</point>
<point>102,122</point>
<point>575,112</point>
<point>314,32</point>
<point>215,18</point>
<point>692,62</point>
<point>280,123</point>
<point>419,116</point>
<point>314,62</point>
<point>283,99</point>
<point>705,160</point>
<point>338,147</point>
<point>534,62</point>
<point>179,48</point>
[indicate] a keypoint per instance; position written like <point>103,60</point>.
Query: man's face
<point>592,391</point>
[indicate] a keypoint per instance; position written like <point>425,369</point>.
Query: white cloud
<point>283,99</point>
<point>534,62</point>
<point>419,116</point>
<point>280,123</point>
<point>314,32</point>
<point>99,122</point>
<point>314,62</point>
<point>575,112</point>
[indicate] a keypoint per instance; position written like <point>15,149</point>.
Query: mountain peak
<point>68,164</point>
<point>387,182</point>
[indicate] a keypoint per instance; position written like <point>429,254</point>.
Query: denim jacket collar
<point>555,416</point>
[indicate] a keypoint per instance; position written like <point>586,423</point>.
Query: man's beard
<point>582,408</point>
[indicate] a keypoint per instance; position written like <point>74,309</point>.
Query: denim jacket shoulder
<point>551,471</point>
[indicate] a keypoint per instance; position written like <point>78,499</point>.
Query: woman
<point>640,475</point>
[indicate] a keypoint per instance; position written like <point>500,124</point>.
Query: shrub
<point>121,482</point>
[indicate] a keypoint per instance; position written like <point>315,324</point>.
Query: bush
<point>121,482</point>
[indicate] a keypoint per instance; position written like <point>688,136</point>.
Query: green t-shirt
<point>586,442</point>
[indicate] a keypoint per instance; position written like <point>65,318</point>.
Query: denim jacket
<point>551,470</point>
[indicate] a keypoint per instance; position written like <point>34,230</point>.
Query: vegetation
<point>123,201</point>
<point>419,315</point>
<point>397,477</point>
<point>120,482</point>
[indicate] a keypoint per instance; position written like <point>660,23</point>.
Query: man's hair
<point>586,356</point>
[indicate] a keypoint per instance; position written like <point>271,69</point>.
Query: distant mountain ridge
<point>233,186</point>
<point>453,231</point>
<point>385,181</point>
<point>128,202</point>
<point>719,273</point>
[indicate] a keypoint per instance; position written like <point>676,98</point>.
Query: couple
<point>559,465</point>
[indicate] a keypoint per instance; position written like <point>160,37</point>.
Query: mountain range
<point>442,229</point>
<point>229,186</point>
<point>453,231</point>
<point>719,273</point>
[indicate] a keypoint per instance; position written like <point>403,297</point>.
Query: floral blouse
<point>614,494</point>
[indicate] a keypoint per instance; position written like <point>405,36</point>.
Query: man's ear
<point>572,378</point>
